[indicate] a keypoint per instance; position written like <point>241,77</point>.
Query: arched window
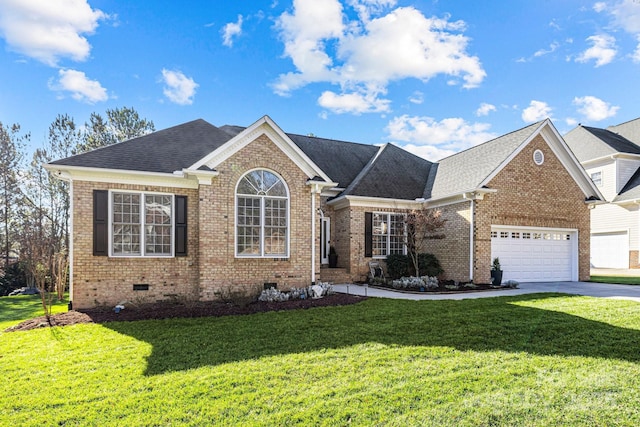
<point>262,215</point>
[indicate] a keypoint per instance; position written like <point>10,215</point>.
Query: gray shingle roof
<point>393,173</point>
<point>342,161</point>
<point>466,170</point>
<point>589,143</point>
<point>163,151</point>
<point>630,130</point>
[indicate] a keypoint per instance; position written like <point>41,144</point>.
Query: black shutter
<point>181,226</point>
<point>100,222</point>
<point>368,234</point>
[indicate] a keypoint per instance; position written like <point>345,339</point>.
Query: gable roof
<point>630,130</point>
<point>589,143</point>
<point>164,151</point>
<point>340,160</point>
<point>392,174</point>
<point>466,170</point>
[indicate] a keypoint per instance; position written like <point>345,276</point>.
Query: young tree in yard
<point>11,145</point>
<point>422,225</point>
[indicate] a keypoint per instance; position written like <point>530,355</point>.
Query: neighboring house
<point>194,211</point>
<point>611,157</point>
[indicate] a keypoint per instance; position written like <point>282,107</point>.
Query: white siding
<point>626,169</point>
<point>610,217</point>
<point>609,175</point>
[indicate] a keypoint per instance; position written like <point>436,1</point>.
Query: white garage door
<point>535,254</point>
<point>610,250</point>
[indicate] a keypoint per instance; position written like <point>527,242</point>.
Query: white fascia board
<point>470,194</point>
<point>269,128</point>
<point>625,156</point>
<point>562,151</point>
<point>119,176</point>
<point>203,177</point>
<point>373,202</point>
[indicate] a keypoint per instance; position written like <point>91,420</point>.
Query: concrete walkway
<point>629,292</point>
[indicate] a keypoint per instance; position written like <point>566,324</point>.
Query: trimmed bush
<point>398,265</point>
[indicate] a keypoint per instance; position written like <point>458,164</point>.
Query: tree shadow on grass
<point>486,324</point>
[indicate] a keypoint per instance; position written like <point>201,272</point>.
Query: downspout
<point>314,189</point>
<point>471,226</point>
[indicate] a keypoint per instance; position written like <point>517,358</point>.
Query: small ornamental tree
<point>422,225</point>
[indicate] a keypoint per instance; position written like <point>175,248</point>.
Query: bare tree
<point>11,146</point>
<point>422,225</point>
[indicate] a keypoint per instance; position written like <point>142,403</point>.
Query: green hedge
<point>401,265</point>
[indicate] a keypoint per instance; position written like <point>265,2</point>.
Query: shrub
<point>429,265</point>
<point>398,265</point>
<point>15,277</point>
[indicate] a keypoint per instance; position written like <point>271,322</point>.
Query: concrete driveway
<point>601,290</point>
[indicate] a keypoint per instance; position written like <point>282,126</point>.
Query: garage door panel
<point>530,256</point>
<point>610,250</point>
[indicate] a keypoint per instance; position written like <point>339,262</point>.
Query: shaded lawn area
<point>621,280</point>
<point>14,310</point>
<point>530,360</point>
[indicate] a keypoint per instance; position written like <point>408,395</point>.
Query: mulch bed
<point>173,310</point>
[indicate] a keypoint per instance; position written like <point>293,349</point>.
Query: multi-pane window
<point>141,224</point>
<point>262,219</point>
<point>596,177</point>
<point>388,234</point>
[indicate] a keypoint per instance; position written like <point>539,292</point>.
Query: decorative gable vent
<point>538,157</point>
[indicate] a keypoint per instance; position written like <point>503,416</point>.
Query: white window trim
<point>404,243</point>
<point>594,181</point>
<point>142,225</point>
<point>262,198</point>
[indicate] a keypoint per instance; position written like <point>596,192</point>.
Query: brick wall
<point>220,269</point>
<point>453,251</point>
<point>101,280</point>
<point>531,195</point>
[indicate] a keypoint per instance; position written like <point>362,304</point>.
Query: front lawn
<point>621,280</point>
<point>534,360</point>
<point>15,309</point>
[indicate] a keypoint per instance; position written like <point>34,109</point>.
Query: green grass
<point>622,280</point>
<point>535,360</point>
<point>14,310</point>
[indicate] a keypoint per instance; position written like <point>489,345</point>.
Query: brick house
<point>194,211</point>
<point>611,158</point>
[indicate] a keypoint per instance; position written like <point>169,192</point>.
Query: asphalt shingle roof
<point>393,173</point>
<point>630,130</point>
<point>466,170</point>
<point>342,161</point>
<point>163,151</point>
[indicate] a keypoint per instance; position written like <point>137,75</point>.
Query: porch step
<point>334,275</point>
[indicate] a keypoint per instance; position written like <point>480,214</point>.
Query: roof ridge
<point>365,170</point>
<point>536,124</point>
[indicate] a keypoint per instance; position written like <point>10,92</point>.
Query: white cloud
<point>82,88</point>
<point>417,97</point>
<point>599,6</point>
<point>362,56</point>
<point>179,88</point>
<point>626,15</point>
<point>552,48</point>
<point>433,139</point>
<point>485,109</point>
<point>536,111</point>
<point>570,121</point>
<point>603,50</point>
<point>231,30</point>
<point>49,30</point>
<point>594,109</point>
<point>354,103</point>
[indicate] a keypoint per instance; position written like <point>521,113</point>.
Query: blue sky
<point>435,77</point>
